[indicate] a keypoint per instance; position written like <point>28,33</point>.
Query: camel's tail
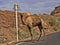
<point>44,23</point>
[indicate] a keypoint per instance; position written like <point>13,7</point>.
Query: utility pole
<point>16,13</point>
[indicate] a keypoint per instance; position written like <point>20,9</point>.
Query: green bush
<point>54,23</point>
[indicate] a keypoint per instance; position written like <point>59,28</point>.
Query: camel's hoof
<point>37,39</point>
<point>32,41</point>
<point>42,39</point>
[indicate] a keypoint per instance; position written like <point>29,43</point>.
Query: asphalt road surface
<point>52,39</point>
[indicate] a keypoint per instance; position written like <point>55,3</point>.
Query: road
<point>51,39</point>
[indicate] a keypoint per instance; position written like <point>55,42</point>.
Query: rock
<point>56,11</point>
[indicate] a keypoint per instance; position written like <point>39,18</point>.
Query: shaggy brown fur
<point>31,21</point>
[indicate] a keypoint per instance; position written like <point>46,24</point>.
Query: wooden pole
<point>16,11</point>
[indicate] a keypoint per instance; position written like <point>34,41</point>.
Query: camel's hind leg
<point>40,29</point>
<point>43,34</point>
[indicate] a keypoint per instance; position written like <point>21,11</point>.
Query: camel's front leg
<point>40,29</point>
<point>32,38</point>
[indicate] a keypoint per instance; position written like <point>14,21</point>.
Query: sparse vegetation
<point>26,34</point>
<point>54,24</point>
<point>7,26</point>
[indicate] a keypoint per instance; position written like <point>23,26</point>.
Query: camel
<point>31,21</point>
